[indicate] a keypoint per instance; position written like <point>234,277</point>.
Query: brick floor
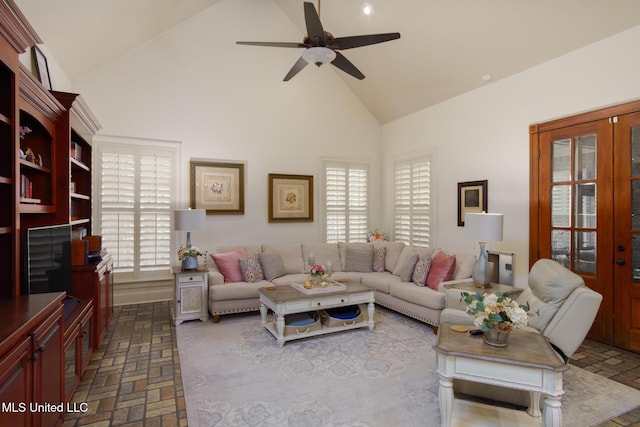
<point>133,379</point>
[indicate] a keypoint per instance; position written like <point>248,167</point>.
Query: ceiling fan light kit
<point>321,47</point>
<point>318,55</point>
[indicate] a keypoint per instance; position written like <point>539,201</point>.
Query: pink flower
<point>317,269</point>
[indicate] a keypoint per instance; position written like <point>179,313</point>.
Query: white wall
<point>227,102</point>
<point>483,134</point>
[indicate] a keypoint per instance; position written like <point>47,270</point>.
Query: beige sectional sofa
<point>393,282</point>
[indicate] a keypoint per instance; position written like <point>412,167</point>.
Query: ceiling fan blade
<point>297,67</point>
<point>342,43</point>
<point>274,44</point>
<point>345,65</point>
<point>314,26</point>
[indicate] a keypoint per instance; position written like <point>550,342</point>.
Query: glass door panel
<point>585,252</point>
<point>561,247</point>
<point>585,205</point>
<point>585,157</point>
<point>561,169</point>
<point>561,206</point>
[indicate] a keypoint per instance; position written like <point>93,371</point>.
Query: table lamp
<point>188,220</point>
<point>483,227</point>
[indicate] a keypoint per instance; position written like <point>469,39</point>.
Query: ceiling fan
<point>322,47</point>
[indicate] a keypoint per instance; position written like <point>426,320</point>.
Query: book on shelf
<point>26,188</point>
<point>76,151</point>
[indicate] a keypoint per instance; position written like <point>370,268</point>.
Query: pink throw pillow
<point>442,266</point>
<point>227,263</point>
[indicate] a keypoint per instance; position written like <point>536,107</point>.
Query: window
<point>135,199</point>
<point>346,201</point>
<point>412,188</point>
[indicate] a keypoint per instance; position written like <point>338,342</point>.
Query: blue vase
<point>190,263</point>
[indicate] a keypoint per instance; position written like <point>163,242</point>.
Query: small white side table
<point>191,295</point>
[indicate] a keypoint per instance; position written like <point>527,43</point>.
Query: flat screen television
<point>47,264</point>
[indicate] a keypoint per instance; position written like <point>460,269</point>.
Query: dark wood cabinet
<point>94,281</point>
<point>31,359</point>
<point>38,131</point>
<point>78,345</point>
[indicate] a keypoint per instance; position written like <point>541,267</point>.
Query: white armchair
<point>562,309</point>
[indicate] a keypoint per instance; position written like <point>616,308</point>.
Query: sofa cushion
<point>420,295</point>
<point>288,279</point>
<point>464,266</point>
<point>227,263</point>
<point>290,254</point>
<point>379,281</point>
<point>359,257</point>
<point>406,264</point>
<point>240,290</point>
<point>272,265</point>
<point>323,253</point>
<point>392,253</point>
<point>421,270</point>
<point>251,268</point>
<point>442,266</point>
<point>378,259</point>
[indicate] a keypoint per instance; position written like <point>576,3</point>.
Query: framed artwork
<point>472,198</point>
<point>290,198</point>
<point>42,67</point>
<point>217,187</point>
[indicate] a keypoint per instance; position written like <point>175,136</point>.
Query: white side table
<point>191,295</point>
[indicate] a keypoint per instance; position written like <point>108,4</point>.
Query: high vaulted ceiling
<point>445,49</point>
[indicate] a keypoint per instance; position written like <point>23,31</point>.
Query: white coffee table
<point>285,300</point>
<point>527,363</point>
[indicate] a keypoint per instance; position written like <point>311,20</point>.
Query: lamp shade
<point>483,227</point>
<point>189,219</point>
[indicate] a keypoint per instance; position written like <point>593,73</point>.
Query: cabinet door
<point>48,366</point>
<point>16,385</point>
<point>86,341</point>
<point>191,299</point>
<point>71,372</point>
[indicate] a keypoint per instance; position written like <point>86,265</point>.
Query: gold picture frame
<point>290,198</point>
<point>217,187</point>
<point>472,198</point>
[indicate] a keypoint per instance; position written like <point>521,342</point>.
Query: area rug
<point>234,374</point>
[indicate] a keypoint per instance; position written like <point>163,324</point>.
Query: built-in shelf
<point>33,166</point>
<point>79,164</point>
<point>5,180</point>
<point>79,196</point>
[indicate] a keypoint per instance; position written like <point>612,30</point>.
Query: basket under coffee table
<point>285,300</point>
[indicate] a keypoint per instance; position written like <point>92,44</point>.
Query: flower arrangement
<point>317,270</point>
<point>495,311</point>
<point>192,251</point>
<point>376,235</point>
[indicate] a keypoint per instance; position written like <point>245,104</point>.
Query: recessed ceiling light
<point>367,9</point>
<point>487,77</point>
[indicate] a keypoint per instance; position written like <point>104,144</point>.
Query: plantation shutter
<point>347,202</point>
<point>135,203</point>
<point>412,213</point>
